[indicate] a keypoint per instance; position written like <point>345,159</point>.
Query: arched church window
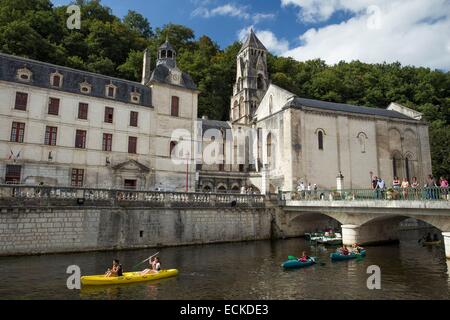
<point>270,104</point>
<point>241,107</point>
<point>408,172</point>
<point>269,147</point>
<point>173,144</point>
<point>320,139</point>
<point>396,165</point>
<point>239,84</point>
<point>260,82</point>
<point>235,110</point>
<point>362,137</point>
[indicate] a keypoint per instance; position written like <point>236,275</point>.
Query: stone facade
<point>47,230</point>
<point>297,139</point>
<point>143,118</point>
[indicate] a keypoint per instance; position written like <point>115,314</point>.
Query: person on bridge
<point>380,188</point>
<point>405,186</point>
<point>444,187</point>
<point>428,237</point>
<point>396,183</point>
<point>435,237</point>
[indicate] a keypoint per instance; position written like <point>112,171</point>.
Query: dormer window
<point>24,74</point>
<point>85,87</point>
<point>110,90</point>
<point>56,79</point>
<point>135,97</point>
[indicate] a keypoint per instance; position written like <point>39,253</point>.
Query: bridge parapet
<point>44,196</point>
<point>391,194</point>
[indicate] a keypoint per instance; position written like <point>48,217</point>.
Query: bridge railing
<point>423,194</point>
<point>59,196</point>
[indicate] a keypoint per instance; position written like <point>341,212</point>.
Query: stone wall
<point>47,230</point>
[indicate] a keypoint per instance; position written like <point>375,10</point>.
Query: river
<point>248,270</point>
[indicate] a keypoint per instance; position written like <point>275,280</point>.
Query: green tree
<point>138,23</point>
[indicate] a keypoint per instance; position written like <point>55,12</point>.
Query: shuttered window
<point>17,132</point>
<point>21,101</point>
<point>80,139</point>
<point>50,136</point>
<point>132,145</point>
<point>175,106</point>
<point>83,110</point>
<point>53,106</point>
<point>107,142</point>
<point>134,118</point>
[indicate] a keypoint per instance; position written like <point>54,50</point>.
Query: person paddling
<point>116,269</point>
<point>344,250</point>
<point>150,268</point>
<point>155,266</point>
<point>304,257</point>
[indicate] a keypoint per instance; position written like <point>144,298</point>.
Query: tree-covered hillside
<point>112,46</point>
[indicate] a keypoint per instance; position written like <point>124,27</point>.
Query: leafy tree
<point>113,46</point>
<point>136,22</point>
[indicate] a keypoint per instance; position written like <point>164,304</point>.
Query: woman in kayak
<point>356,248</point>
<point>155,266</point>
<point>150,268</point>
<point>343,250</point>
<point>304,257</point>
<point>116,269</point>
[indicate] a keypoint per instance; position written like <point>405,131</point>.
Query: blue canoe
<point>339,257</point>
<point>295,264</point>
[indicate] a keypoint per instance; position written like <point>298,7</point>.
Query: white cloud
<point>268,38</point>
<point>225,10</point>
<point>257,18</point>
<point>413,32</point>
<point>322,10</point>
<point>231,10</point>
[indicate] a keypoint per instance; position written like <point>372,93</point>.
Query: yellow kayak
<point>128,277</point>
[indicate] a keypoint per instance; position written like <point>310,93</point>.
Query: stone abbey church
<point>66,127</point>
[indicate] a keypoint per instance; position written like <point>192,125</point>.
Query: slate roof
<point>252,42</point>
<point>162,71</point>
<point>167,46</point>
<point>331,106</point>
<point>214,124</point>
<point>71,79</point>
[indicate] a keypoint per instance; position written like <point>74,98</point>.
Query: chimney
<point>146,68</point>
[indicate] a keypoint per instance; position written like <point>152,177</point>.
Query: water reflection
<point>241,271</point>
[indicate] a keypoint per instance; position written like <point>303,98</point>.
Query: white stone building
<point>313,141</point>
<point>60,126</point>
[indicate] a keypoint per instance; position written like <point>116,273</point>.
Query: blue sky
<point>414,32</point>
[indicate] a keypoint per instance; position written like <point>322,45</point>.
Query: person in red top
<point>344,250</point>
<point>304,257</point>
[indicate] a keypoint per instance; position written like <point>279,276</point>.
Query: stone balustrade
<point>23,195</point>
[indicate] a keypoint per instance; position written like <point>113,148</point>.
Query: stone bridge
<point>366,221</point>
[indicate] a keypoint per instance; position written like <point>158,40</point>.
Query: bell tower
<point>252,80</point>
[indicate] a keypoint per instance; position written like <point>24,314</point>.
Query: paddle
<point>144,260</point>
<point>316,260</point>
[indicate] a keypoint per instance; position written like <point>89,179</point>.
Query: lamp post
<point>187,170</point>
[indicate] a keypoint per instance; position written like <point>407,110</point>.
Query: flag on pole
<point>10,155</point>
